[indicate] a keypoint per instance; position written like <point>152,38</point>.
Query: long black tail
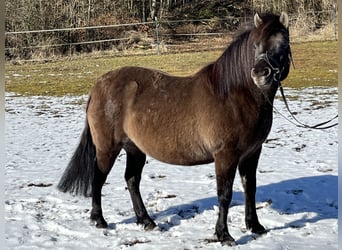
<point>79,174</point>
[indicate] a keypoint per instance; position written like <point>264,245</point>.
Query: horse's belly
<point>178,154</point>
<point>168,144</point>
<point>188,158</point>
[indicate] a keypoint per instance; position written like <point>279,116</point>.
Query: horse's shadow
<point>316,195</point>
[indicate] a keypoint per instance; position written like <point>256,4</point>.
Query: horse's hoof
<point>99,221</point>
<point>150,226</point>
<point>101,224</point>
<point>148,223</point>
<point>258,229</point>
<point>229,243</point>
<point>226,239</point>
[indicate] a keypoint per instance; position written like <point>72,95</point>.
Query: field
<point>315,65</point>
<point>297,174</point>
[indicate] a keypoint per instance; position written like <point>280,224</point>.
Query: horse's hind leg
<point>104,163</point>
<point>134,166</point>
<point>247,169</point>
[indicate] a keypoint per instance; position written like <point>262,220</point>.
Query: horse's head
<point>272,49</point>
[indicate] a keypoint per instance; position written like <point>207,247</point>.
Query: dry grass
<point>303,29</point>
<point>316,65</point>
<point>76,76</point>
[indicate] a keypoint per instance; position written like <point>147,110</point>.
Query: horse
<point>221,114</point>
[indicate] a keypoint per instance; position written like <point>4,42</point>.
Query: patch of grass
<point>77,75</point>
<point>315,65</point>
<point>315,62</point>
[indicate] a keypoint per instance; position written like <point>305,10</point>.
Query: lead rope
<point>299,123</point>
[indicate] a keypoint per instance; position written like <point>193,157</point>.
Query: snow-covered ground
<point>296,195</point>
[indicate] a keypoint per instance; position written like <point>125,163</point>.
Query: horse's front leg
<point>247,169</point>
<point>225,167</point>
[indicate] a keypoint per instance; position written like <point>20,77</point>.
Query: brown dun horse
<point>222,113</point>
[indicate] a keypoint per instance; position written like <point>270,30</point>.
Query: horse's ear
<point>257,20</point>
<point>284,19</point>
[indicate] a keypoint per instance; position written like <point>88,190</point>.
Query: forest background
<point>46,29</point>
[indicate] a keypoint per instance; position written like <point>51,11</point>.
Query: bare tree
<point>25,15</point>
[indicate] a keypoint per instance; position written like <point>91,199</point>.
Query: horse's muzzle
<point>261,75</point>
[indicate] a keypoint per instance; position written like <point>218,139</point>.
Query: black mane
<point>232,68</point>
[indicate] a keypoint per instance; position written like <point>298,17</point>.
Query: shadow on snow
<point>315,194</point>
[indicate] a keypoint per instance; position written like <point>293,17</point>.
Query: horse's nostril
<point>267,71</point>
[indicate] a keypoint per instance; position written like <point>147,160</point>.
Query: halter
<point>276,71</point>
<point>276,77</point>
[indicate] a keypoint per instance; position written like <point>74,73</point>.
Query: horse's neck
<point>269,92</point>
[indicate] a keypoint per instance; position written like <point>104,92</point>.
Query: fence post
<point>335,21</point>
<point>156,23</point>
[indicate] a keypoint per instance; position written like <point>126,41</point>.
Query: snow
<point>296,194</point>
